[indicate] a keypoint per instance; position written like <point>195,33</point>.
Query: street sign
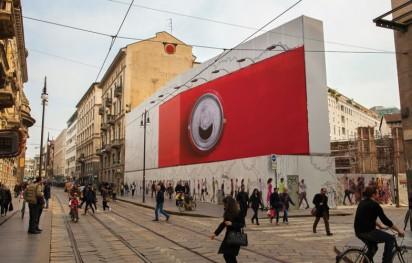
<point>274,162</point>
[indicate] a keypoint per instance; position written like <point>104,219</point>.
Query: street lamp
<point>143,123</point>
<point>44,99</point>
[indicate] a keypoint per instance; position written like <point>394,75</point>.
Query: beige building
<point>346,115</point>
<point>59,158</point>
<point>14,106</point>
<point>88,134</point>
<point>137,72</point>
<point>71,137</point>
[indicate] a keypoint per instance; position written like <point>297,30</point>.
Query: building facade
<point>71,137</point>
<point>14,106</point>
<point>382,111</point>
<point>88,134</point>
<point>59,154</point>
<point>346,115</point>
<point>30,169</point>
<point>136,73</point>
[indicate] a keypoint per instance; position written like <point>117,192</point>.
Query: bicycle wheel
<point>352,255</point>
<point>402,256</point>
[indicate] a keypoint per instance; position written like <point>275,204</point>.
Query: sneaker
<point>329,234</point>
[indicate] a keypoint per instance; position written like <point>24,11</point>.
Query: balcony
<point>101,110</point>
<point>111,119</point>
<point>108,102</point>
<point>118,91</point>
<point>6,19</point>
<point>6,98</point>
<point>117,143</point>
<point>104,127</point>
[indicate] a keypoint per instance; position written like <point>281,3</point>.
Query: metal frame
<point>394,23</point>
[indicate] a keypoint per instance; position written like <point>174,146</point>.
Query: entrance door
<point>293,187</point>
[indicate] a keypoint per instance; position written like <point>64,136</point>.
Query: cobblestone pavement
<point>116,236</point>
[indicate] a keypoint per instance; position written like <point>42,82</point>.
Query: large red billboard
<point>258,110</point>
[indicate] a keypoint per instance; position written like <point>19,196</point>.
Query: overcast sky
<point>71,59</point>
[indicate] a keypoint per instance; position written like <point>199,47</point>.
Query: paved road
<point>128,234</point>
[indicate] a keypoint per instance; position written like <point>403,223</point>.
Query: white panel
<point>316,88</point>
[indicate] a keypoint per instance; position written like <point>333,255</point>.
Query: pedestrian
<point>243,200</point>
<point>255,201</point>
<point>133,187</point>
<point>233,221</point>
<point>121,189</point>
<point>203,191</point>
<point>160,198</point>
<point>153,189</point>
<point>286,200</point>
<point>321,209</point>
<point>302,193</point>
<point>40,202</point>
<point>74,208</point>
<point>6,200</point>
<point>32,196</point>
<point>275,205</point>
<point>170,190</point>
<point>347,191</point>
<point>269,192</point>
<point>47,193</point>
<point>105,198</point>
<point>89,198</point>
<point>282,186</point>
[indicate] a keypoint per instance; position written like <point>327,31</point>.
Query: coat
<point>237,224</point>
<point>285,198</point>
<point>275,201</point>
<point>255,201</point>
<point>321,203</point>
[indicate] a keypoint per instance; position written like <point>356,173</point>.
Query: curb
<point>167,211</point>
<point>207,216</point>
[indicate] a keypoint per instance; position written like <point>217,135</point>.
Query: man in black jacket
<point>322,210</point>
<point>365,225</point>
<point>243,199</point>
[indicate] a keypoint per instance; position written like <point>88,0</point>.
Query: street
<point>128,234</point>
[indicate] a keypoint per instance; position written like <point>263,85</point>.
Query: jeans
<point>47,203</point>
<point>33,210</point>
<point>255,214</point>
<point>88,204</point>
<point>302,196</point>
<point>105,205</point>
<point>285,215</point>
<point>159,208</point>
<point>371,239</point>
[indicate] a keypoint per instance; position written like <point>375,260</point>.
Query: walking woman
<point>255,201</point>
<point>232,221</point>
<point>269,192</point>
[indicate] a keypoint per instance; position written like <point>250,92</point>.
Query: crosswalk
<point>300,229</point>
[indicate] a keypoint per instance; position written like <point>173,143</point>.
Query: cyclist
<point>365,225</point>
<point>179,189</point>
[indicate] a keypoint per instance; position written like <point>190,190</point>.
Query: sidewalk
<point>16,245</point>
<point>204,209</point>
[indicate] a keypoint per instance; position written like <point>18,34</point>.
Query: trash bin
<point>220,197</point>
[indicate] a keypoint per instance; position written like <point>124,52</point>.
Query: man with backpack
<point>32,195</point>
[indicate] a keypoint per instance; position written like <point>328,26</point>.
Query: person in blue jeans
<point>285,199</point>
<point>160,199</point>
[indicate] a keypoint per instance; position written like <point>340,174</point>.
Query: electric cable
<point>114,40</point>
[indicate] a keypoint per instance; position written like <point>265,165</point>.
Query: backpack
<point>30,194</point>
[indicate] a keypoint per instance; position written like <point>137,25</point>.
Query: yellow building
<point>14,106</point>
<point>137,71</point>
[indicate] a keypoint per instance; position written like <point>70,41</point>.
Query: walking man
<point>133,187</point>
<point>47,193</point>
<point>160,199</point>
<point>302,193</point>
<point>31,196</point>
<point>322,210</point>
<point>347,191</point>
<point>243,199</point>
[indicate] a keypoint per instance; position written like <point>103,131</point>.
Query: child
<point>74,211</point>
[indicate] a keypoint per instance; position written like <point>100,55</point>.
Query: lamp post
<point>143,123</point>
<point>44,98</point>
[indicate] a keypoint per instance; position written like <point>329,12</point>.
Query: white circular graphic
<point>206,122</point>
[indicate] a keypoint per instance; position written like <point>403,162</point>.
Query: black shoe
<point>329,234</point>
<point>314,231</point>
<point>155,220</point>
<point>33,232</point>
<point>38,229</point>
<point>167,218</point>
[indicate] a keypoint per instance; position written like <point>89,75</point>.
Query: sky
<point>71,59</point>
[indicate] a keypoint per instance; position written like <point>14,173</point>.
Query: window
<point>343,130</point>
<point>343,119</point>
<point>342,108</point>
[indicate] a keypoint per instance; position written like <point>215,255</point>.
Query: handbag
<point>313,211</point>
<point>234,238</point>
<point>11,207</point>
<point>271,213</point>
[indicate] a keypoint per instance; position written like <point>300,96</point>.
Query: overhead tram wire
<point>114,40</point>
<point>225,53</point>
<point>377,51</point>
<point>63,58</point>
<point>235,25</point>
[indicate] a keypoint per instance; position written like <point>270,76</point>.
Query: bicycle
<point>357,255</point>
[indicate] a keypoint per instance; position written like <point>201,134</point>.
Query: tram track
<point>273,259</point>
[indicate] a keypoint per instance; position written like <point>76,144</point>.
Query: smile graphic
<point>206,133</point>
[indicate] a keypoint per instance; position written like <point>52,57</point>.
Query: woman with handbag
<point>234,222</point>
